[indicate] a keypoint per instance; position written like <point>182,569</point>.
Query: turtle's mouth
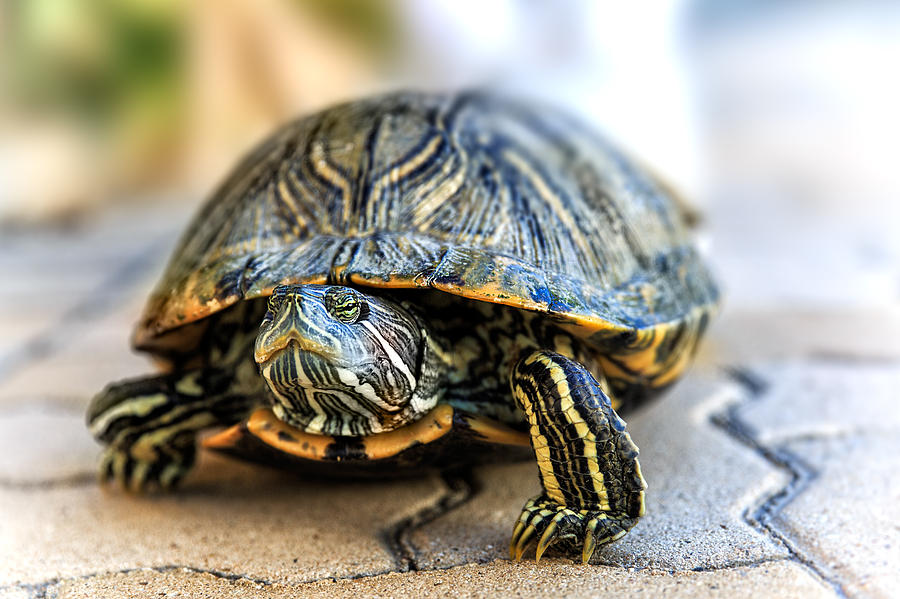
<point>265,352</point>
<point>318,396</point>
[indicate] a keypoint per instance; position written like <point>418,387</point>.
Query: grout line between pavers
<point>47,590</point>
<point>460,487</point>
<point>720,568</point>
<point>800,473</point>
<point>738,564</point>
<point>82,479</point>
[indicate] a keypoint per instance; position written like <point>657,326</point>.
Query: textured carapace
<point>473,195</point>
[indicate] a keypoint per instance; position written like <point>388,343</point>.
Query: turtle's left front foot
<point>548,522</point>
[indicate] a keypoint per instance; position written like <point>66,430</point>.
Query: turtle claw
<point>546,539</point>
<point>587,550</point>
<point>519,544</point>
<point>553,523</point>
<point>549,521</point>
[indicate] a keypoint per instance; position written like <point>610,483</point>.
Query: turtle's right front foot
<point>593,488</point>
<point>149,427</point>
<point>143,465</point>
<point>548,522</point>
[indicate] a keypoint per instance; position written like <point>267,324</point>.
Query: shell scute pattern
<point>472,195</point>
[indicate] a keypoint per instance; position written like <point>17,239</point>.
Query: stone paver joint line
<point>801,473</point>
<point>45,589</point>
<point>77,480</point>
<point>48,589</point>
<point>461,486</point>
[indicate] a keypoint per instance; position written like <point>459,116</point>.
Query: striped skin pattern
<point>340,362</point>
<point>346,364</point>
<point>484,342</point>
<point>593,488</point>
<point>149,425</point>
<point>397,359</point>
<point>640,364</point>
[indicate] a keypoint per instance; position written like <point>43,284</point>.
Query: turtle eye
<point>346,305</point>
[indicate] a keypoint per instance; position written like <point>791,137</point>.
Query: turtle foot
<point>549,522</point>
<point>137,468</point>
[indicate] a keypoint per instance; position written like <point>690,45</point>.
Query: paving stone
<point>99,239</point>
<point>740,336</point>
<point>552,579</point>
<point>846,522</point>
<point>821,398</point>
<point>47,314</point>
<point>42,443</point>
<point>17,333</point>
<point>89,355</point>
<point>43,270</point>
<point>145,218</point>
<point>841,421</point>
<point>48,273</point>
<point>229,517</point>
<point>700,482</point>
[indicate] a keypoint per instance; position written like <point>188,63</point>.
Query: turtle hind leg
<point>593,488</point>
<point>149,425</point>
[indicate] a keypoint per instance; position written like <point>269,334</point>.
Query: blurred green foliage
<point>373,24</point>
<point>100,61</point>
<point>108,63</point>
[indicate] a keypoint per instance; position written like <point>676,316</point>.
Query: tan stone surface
<point>65,316</point>
<point>45,268</point>
<point>86,355</point>
<point>840,421</point>
<point>42,443</point>
<point>822,398</point>
<point>551,579</point>
<point>229,517</point>
<point>848,520</point>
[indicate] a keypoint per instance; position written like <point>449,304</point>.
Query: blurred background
<point>779,120</point>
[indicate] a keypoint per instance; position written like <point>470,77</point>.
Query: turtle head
<point>341,362</point>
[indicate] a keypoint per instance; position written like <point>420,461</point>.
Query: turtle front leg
<point>149,425</point>
<point>593,488</point>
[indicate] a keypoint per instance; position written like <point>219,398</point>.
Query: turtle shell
<point>478,196</point>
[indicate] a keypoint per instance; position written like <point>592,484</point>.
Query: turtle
<point>422,280</point>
